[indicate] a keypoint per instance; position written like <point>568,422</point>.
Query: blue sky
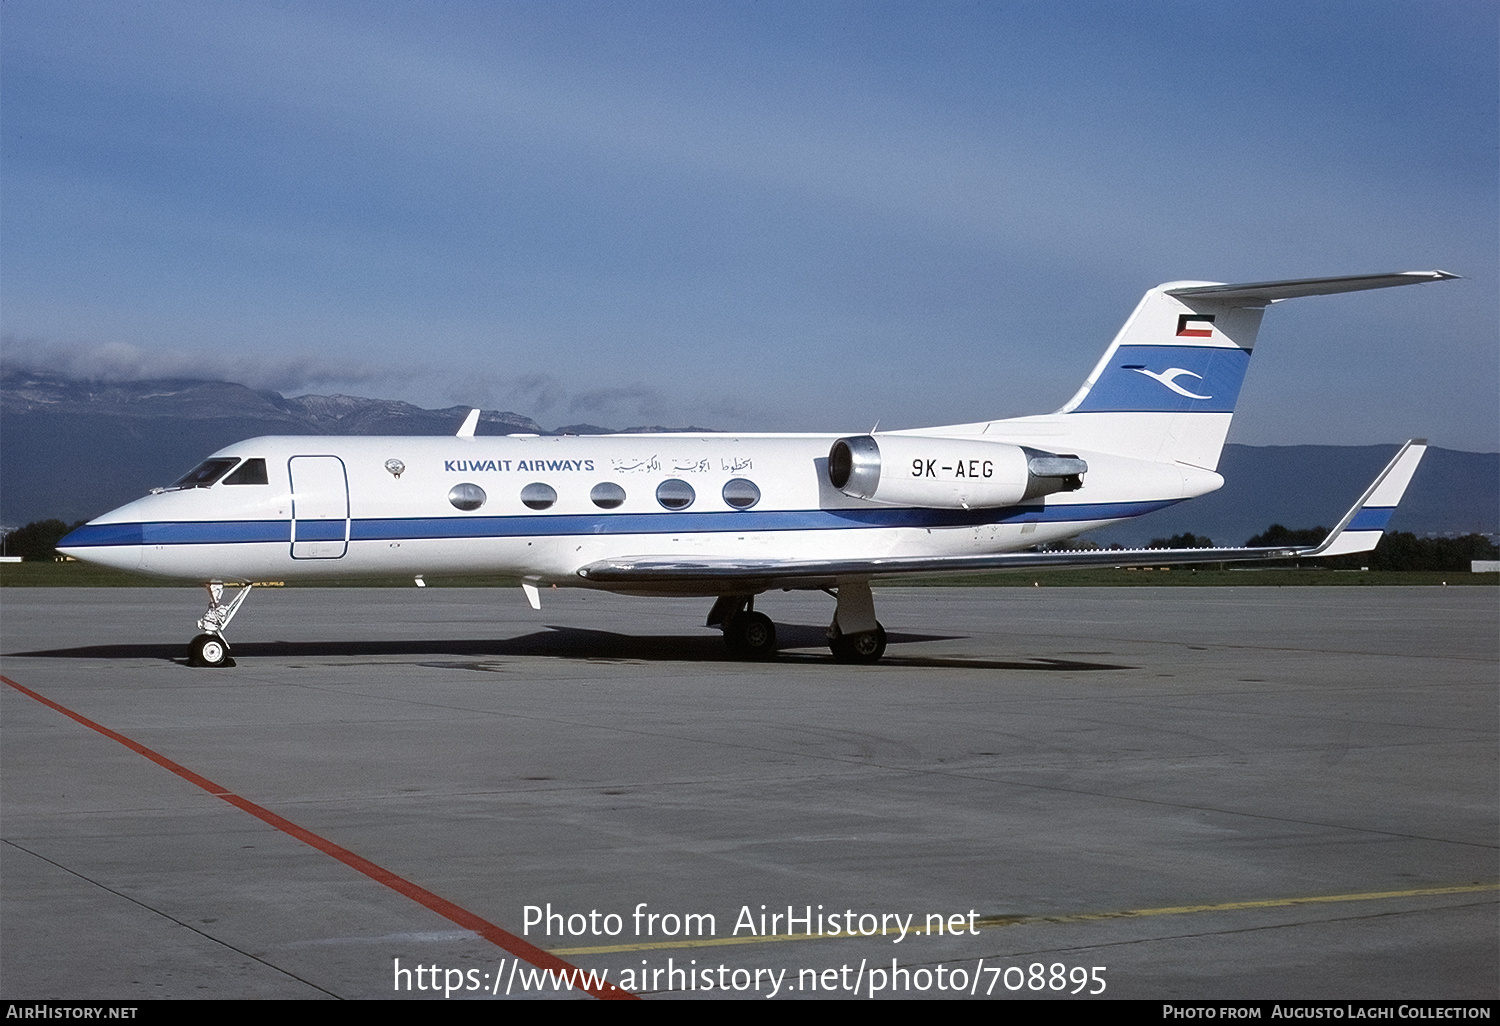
<point>756,216</point>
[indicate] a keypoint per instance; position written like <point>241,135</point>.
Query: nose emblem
<point>395,467</point>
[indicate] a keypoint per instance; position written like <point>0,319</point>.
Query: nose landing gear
<point>209,649</point>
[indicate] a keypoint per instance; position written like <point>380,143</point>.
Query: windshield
<point>251,472</point>
<point>205,473</point>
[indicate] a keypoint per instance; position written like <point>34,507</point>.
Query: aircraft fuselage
<point>543,507</point>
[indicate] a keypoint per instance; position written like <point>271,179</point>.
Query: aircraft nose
<point>114,545</point>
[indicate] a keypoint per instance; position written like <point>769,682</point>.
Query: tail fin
<point>1167,385</point>
<point>1165,389</point>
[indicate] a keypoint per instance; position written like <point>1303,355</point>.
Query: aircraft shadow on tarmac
<point>575,643</point>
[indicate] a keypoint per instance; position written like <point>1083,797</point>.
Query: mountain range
<point>73,449</point>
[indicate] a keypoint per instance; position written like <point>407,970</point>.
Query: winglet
<point>1362,526</point>
<point>470,423</point>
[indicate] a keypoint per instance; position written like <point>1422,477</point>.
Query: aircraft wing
<point>1359,531</point>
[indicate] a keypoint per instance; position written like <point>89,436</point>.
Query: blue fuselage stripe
<point>570,524</point>
<point>320,530</point>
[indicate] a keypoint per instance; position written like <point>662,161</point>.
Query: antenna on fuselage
<point>470,423</point>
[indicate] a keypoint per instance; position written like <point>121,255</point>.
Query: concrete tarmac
<point>1166,793</point>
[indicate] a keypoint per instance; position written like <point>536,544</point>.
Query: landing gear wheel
<point>864,647</point>
<point>209,650</point>
<point>751,635</point>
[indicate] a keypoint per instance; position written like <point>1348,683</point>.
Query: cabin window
<point>607,495</point>
<point>251,472</point>
<point>675,493</point>
<point>538,495</point>
<point>466,496</point>
<point>740,493</point>
<point>206,473</point>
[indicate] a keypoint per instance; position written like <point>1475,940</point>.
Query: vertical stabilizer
<point>1165,389</point>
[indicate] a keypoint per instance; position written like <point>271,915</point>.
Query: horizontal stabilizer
<point>1274,291</point>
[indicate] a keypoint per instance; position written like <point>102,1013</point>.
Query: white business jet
<point>731,516</point>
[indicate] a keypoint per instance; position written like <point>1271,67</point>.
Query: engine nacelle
<point>948,473</point>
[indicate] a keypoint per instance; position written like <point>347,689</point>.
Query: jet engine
<point>948,473</point>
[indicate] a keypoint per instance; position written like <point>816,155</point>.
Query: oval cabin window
<point>607,495</point>
<point>538,495</point>
<point>740,493</point>
<point>675,493</point>
<point>466,496</point>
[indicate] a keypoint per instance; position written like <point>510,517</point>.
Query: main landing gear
<point>855,636</point>
<point>748,634</point>
<point>864,647</point>
<point>209,648</point>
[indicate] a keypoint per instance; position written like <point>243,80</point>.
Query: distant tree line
<point>1279,535</point>
<point>37,541</point>
<point>1397,550</point>
<point>1182,541</point>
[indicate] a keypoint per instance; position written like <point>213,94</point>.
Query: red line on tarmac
<point>503,939</point>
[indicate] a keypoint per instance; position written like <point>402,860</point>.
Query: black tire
<point>865,647</point>
<point>751,636</point>
<point>209,650</point>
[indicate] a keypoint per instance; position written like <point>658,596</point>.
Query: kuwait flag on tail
<point>1195,325</point>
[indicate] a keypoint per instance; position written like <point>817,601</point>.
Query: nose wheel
<point>209,649</point>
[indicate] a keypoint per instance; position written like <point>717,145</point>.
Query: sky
<point>761,216</point>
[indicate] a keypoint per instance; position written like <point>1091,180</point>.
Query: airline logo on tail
<point>1195,379</point>
<point>1168,376</point>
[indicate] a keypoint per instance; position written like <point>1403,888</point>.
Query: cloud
<point>534,395</point>
<point>120,361</point>
<point>631,401</point>
<point>538,394</point>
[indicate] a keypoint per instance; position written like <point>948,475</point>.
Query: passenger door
<point>320,507</point>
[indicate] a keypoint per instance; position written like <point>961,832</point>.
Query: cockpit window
<point>206,473</point>
<point>250,472</point>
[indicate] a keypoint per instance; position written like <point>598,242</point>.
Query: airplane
<point>732,516</point>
